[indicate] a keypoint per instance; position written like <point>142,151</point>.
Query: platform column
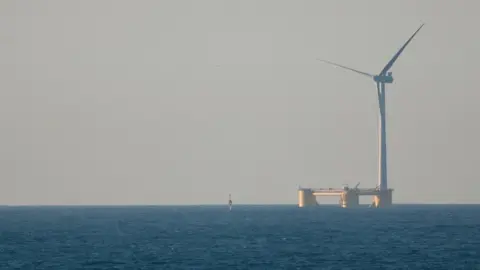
<point>383,199</point>
<point>306,198</point>
<point>349,199</point>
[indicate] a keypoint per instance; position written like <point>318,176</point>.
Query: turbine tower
<point>380,80</point>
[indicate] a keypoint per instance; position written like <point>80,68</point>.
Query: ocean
<point>248,237</point>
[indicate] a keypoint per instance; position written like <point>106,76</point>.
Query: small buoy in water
<point>230,202</point>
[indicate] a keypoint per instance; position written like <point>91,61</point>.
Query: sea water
<point>248,237</point>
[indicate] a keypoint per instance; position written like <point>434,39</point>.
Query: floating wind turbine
<point>381,79</point>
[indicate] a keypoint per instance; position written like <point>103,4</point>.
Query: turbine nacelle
<point>383,78</point>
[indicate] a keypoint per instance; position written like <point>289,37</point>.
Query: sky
<point>184,102</point>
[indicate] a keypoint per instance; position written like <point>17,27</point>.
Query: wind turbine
<point>381,79</point>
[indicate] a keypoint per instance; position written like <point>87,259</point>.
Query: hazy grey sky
<point>183,102</point>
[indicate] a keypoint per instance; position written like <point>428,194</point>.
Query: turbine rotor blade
<point>351,69</point>
<point>394,58</point>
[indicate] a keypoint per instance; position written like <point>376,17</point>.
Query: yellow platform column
<point>349,198</point>
<point>383,199</point>
<point>306,198</point>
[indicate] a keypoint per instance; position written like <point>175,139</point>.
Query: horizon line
<point>213,204</point>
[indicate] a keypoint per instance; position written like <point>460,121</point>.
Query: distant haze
<point>184,102</point>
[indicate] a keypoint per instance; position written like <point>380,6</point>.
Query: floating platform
<point>349,197</point>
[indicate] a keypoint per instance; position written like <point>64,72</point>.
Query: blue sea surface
<point>248,237</point>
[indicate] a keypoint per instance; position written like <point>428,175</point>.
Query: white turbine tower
<point>380,80</point>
